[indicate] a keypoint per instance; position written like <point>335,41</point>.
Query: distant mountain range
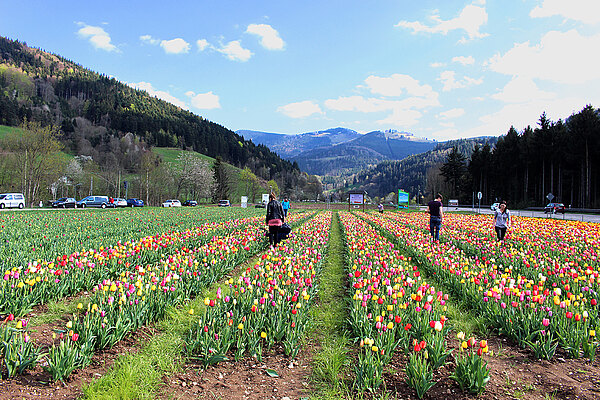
<point>340,151</point>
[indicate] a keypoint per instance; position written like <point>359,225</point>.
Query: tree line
<point>554,157</point>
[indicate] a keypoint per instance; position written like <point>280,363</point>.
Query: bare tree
<point>36,152</point>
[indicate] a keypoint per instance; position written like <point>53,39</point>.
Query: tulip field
<point>240,299</point>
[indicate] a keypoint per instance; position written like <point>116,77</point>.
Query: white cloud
<point>437,65</point>
<point>97,37</point>
<point>401,112</point>
<point>403,118</point>
<point>202,44</point>
<point>472,81</point>
<point>204,101</point>
<point>563,57</point>
<point>452,113</point>
<point>450,82</point>
<point>235,52</point>
<point>158,93</point>
<point>149,40</point>
<point>175,46</point>
<point>522,90</point>
<point>397,84</point>
<point>469,60</point>
<point>470,20</point>
<point>269,37</point>
<point>586,11</point>
<point>301,109</point>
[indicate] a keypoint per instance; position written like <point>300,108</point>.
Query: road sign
<point>550,196</point>
<point>479,195</point>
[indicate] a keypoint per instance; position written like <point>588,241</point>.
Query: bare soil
<point>246,379</point>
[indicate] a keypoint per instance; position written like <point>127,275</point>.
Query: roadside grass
<point>331,361</point>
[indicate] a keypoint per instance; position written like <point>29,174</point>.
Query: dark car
<point>555,208</point>
<point>190,203</point>
<point>135,203</point>
<point>261,205</point>
<point>64,202</point>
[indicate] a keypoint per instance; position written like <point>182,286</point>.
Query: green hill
<point>115,125</point>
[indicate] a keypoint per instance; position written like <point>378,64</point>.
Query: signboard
<point>265,198</point>
<point>402,198</point>
<point>550,196</point>
<point>357,198</point>
<point>244,201</point>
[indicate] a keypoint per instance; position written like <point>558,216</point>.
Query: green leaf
<point>272,373</point>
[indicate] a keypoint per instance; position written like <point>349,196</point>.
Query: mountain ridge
<point>341,150</point>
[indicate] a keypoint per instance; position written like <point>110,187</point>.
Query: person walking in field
<point>380,208</point>
<point>285,204</point>
<point>435,208</point>
<point>501,221</point>
<point>275,218</point>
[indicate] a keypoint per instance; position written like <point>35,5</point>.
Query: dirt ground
<point>514,375</point>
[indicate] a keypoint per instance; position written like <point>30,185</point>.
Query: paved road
<point>536,214</point>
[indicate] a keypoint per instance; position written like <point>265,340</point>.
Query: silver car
<point>12,200</point>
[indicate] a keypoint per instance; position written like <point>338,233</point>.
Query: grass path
<point>329,333</point>
<point>140,375</point>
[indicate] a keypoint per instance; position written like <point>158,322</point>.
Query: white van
<point>8,200</point>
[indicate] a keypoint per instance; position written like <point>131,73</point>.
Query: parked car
<point>190,203</point>
<point>554,208</point>
<point>224,203</point>
<point>94,201</point>
<point>260,205</point>
<point>12,200</point>
<point>65,202</point>
<point>135,202</point>
<point>119,202</point>
<point>494,206</point>
<point>171,203</point>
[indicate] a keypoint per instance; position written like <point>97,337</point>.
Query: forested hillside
<point>99,117</point>
<point>411,173</point>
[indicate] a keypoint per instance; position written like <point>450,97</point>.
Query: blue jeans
<point>285,210</point>
<point>435,224</point>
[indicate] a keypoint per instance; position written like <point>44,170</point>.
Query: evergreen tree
<point>222,181</point>
<point>454,169</point>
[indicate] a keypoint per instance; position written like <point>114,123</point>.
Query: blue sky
<point>438,69</point>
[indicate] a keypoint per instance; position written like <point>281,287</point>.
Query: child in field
<point>285,204</point>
